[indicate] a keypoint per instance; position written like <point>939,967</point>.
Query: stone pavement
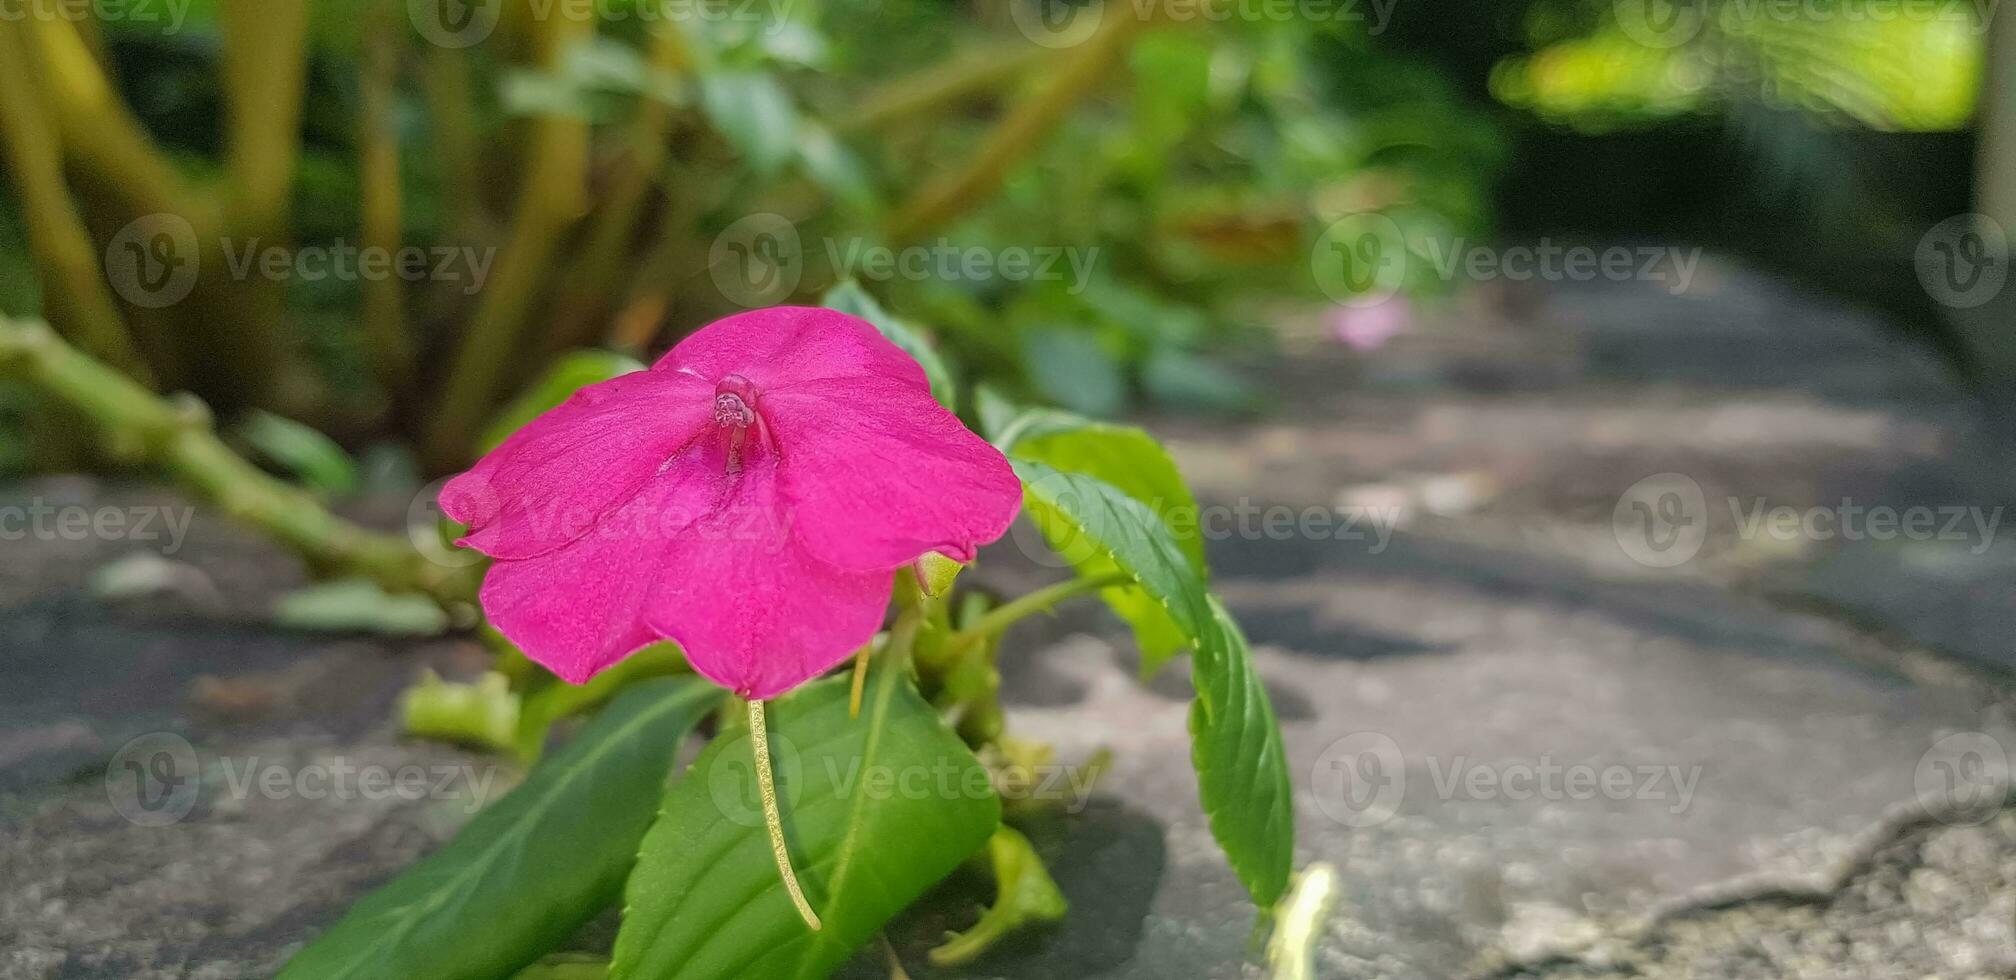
<point>1564,695</point>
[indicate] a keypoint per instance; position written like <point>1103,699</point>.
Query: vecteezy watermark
<point>154,261</point>
<point>464,23</point>
<point>156,779</point>
<point>760,259</point>
<point>1663,520</point>
<point>1361,780</point>
<point>1963,261</point>
<point>644,518</point>
<point>1671,23</point>
<point>1052,540</point>
<point>731,780</point>
<point>1963,778</point>
<point>1064,23</point>
<point>40,520</point>
<point>168,15</point>
<point>943,261</point>
<point>1362,259</point>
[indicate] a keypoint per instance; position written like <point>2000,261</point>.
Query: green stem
<point>551,198</point>
<point>773,819</point>
<point>388,347</point>
<point>941,86</point>
<point>77,297</point>
<point>1021,131</point>
<point>176,435</point>
<point>1003,616</point>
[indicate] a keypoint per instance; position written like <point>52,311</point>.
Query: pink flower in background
<point>748,497</point>
<point>1365,328</point>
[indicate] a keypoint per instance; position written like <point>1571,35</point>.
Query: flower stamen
<point>732,411</point>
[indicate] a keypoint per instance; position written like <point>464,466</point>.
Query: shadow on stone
<point>1109,862</point>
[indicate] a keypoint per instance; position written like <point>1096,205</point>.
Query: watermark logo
<point>425,520</point>
<point>152,262</point>
<point>1963,779</point>
<point>156,780</point>
<point>1360,779</point>
<point>1662,520</point>
<point>731,778</point>
<point>168,15</point>
<point>1057,23</point>
<point>1360,259</point>
<point>455,23</point>
<point>1660,23</point>
<point>153,780</point>
<point>40,520</point>
<point>757,261</point>
<point>1963,261</point>
<point>944,261</point>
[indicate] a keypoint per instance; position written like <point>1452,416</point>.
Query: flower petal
<point>554,479</point>
<point>876,473</point>
<point>583,606</point>
<point>753,610</point>
<point>786,346</point>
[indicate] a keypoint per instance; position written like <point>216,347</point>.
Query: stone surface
<point>1529,752</point>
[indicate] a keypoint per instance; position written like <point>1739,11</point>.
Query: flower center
<point>732,411</point>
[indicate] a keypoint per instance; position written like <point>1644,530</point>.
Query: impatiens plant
<point>758,501</point>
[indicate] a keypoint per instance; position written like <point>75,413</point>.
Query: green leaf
<point>1242,770</point>
<point>878,809</point>
<point>484,714</point>
<point>355,605</point>
<point>752,110</point>
<point>307,455</point>
<point>1180,378</point>
<point>1100,529</point>
<point>1123,455</point>
<point>572,372</point>
<point>1071,368</point>
<point>528,871</point>
<point>848,297</point>
<point>553,701</point>
<point>833,166</point>
<point>1025,895</point>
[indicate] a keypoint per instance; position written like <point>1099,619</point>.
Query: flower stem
<point>176,434</point>
<point>766,786</point>
<point>860,680</point>
<point>1007,614</point>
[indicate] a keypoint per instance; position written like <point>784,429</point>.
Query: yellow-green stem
<point>773,821</point>
<point>1021,131</point>
<point>1007,614</point>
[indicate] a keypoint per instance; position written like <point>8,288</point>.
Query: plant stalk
<point>176,435</point>
<point>1007,614</point>
<point>1020,132</point>
<point>75,292</point>
<point>773,820</point>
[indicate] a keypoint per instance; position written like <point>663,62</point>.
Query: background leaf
<point>1070,367</point>
<point>1242,770</point>
<point>304,453</point>
<point>754,112</point>
<point>527,871</point>
<point>879,808</point>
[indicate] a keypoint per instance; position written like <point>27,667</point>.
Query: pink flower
<point>749,497</point>
<point>1369,327</point>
